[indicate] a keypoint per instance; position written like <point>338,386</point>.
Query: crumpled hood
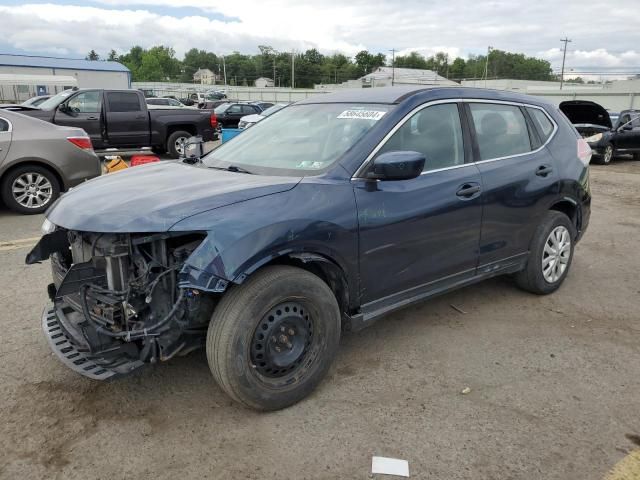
<point>153,197</point>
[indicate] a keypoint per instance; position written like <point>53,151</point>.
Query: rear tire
<point>29,189</point>
<point>174,140</point>
<point>550,255</point>
<point>272,340</point>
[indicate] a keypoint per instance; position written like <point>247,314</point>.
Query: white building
<point>263,82</point>
<point>18,88</point>
<point>204,76</point>
<point>88,73</point>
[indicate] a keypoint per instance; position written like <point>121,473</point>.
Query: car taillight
<point>81,142</point>
<point>584,151</point>
<point>214,121</point>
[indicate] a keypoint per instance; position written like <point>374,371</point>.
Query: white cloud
<point>602,37</point>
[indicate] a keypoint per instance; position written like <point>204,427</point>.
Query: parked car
<point>228,115</point>
<point>166,103</point>
<point>262,105</point>
<point>325,217</point>
<point>250,120</point>
<point>605,137</point>
<point>39,160</point>
<point>35,101</point>
<point>120,119</point>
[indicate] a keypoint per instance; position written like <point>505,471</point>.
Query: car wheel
<point>606,157</point>
<point>550,255</point>
<point>272,339</point>
<point>30,189</point>
<point>175,143</point>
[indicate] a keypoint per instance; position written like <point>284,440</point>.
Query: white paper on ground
<point>390,466</point>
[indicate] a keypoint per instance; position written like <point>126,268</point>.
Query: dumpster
<point>229,133</point>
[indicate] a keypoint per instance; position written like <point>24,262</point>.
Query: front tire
<point>606,157</point>
<point>272,340</point>
<point>550,255</point>
<point>30,189</point>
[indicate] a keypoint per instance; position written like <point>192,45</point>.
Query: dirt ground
<point>554,382</point>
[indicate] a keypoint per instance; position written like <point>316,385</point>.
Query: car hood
<point>583,113</point>
<point>154,197</point>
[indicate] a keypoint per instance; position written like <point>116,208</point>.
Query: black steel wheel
<point>272,340</point>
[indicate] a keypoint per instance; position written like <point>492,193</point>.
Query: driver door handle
<point>92,118</point>
<point>468,190</point>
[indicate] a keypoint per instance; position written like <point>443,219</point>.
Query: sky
<point>605,37</point>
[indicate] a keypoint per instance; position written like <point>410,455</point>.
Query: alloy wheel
<point>179,144</point>
<point>32,190</point>
<point>608,153</point>
<point>556,254</point>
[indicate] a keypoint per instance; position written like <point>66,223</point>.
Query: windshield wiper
<point>234,168</point>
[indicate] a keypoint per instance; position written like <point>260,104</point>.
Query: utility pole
<point>274,71</point>
<point>486,66</point>
<point>224,68</point>
<point>565,40</point>
<point>293,69</point>
<point>393,66</point>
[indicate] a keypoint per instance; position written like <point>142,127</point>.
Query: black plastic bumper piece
<point>68,353</point>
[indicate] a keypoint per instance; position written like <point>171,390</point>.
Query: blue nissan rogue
<point>321,218</point>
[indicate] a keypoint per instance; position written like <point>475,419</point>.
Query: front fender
<point>245,236</point>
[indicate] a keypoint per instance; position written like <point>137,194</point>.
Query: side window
<point>435,132</point>
<point>173,103</point>
<point>542,123</point>
<point>4,125</point>
<point>123,102</point>
<point>249,109</point>
<point>85,102</point>
<point>234,109</point>
<point>501,130</point>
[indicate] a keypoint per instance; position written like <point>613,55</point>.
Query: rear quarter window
<point>4,125</point>
<point>541,122</point>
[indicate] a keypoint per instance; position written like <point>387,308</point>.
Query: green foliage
<point>312,67</point>
<point>92,55</point>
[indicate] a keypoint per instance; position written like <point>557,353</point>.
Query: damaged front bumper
<point>63,340</point>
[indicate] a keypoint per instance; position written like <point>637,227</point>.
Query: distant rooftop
<point>11,60</point>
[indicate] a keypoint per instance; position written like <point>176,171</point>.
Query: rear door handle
<point>140,117</point>
<point>544,170</point>
<point>468,190</point>
<point>92,118</point>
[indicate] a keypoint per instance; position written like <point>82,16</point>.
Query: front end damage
<point>122,300</point>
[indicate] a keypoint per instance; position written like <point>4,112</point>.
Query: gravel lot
<point>554,383</point>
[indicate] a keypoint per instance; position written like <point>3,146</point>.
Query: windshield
<point>56,100</point>
<point>273,109</point>
<point>300,140</point>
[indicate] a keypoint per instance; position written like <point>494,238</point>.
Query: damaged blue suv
<point>320,219</point>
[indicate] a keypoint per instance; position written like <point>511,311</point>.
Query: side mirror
<point>64,108</point>
<point>627,127</point>
<point>397,165</point>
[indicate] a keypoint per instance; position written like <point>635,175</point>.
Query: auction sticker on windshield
<point>362,114</point>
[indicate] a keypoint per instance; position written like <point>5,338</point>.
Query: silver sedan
<point>38,160</point>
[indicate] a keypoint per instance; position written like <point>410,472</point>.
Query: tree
<point>92,55</point>
<point>113,56</point>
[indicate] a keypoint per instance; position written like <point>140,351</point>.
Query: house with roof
<point>87,73</point>
<point>204,76</point>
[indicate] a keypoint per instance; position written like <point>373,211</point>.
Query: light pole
<point>293,69</point>
<point>486,66</point>
<point>564,56</point>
